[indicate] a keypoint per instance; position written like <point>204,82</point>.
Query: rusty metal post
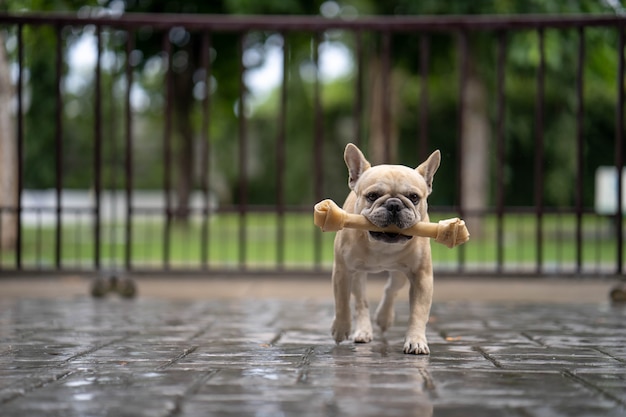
<point>167,149</point>
<point>463,58</point>
<point>280,161</point>
<point>113,158</point>
<point>243,159</point>
<point>205,161</point>
<point>58,148</point>
<point>97,156</point>
<point>20,143</point>
<point>386,107</point>
<point>539,153</point>
<point>580,143</point>
<point>318,147</point>
<point>619,154</point>
<point>128,160</point>
<point>500,149</point>
<point>357,109</point>
<point>424,65</point>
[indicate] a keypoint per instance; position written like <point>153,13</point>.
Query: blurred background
<point>151,135</point>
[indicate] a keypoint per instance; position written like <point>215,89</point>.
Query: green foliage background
<point>338,100</point>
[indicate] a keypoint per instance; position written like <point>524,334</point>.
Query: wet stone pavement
<point>157,357</point>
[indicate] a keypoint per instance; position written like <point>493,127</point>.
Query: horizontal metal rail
<point>241,23</point>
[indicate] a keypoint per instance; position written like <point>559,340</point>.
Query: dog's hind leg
<point>385,313</point>
<point>363,324</point>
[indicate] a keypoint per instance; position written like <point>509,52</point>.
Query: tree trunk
<point>475,167</point>
<point>8,156</point>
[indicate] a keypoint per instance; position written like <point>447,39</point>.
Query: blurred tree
<point>39,136</point>
<point>40,83</point>
<point>337,95</point>
<point>186,56</point>
<point>480,102</point>
<point>480,63</point>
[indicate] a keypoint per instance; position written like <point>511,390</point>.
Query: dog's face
<point>390,195</point>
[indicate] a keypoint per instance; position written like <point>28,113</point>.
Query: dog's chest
<point>377,261</point>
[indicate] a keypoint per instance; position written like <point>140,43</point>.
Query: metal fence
<point>120,226</point>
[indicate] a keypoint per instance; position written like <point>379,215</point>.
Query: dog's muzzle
<point>391,212</point>
<point>395,214</point>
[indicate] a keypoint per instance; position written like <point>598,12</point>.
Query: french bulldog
<point>386,195</point>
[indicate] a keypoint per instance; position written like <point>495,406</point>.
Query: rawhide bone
<point>331,218</point>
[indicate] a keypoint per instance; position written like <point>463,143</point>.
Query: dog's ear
<point>428,168</point>
<point>356,162</point>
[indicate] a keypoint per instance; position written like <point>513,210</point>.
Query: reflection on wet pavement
<point>151,357</point>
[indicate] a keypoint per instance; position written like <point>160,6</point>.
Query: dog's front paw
<point>363,335</point>
<point>341,330</point>
<point>416,345</point>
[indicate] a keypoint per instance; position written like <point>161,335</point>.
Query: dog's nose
<point>394,205</point>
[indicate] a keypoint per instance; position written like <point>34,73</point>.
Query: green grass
<point>258,248</point>
<point>520,252</point>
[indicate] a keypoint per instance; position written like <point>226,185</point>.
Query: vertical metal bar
<point>167,149</point>
<point>580,112</point>
<point>619,154</point>
<point>539,153</point>
<point>386,84</point>
<point>113,159</point>
<point>128,161</point>
<point>38,239</point>
<point>423,116</point>
<point>357,115</point>
<point>243,157</point>
<point>58,147</point>
<point>280,161</point>
<point>318,150</point>
<point>463,69</point>
<point>20,143</point>
<point>205,161</point>
<point>97,150</point>
<point>500,149</point>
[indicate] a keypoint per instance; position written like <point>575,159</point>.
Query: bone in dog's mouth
<point>390,237</point>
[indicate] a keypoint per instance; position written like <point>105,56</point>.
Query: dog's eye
<point>414,198</point>
<point>372,196</point>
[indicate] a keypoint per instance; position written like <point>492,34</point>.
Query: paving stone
<point>245,357</point>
